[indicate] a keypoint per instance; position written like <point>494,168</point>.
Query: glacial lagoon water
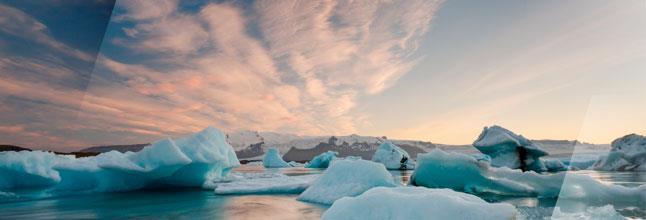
<point>204,204</point>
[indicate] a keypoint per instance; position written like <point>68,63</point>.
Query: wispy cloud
<point>18,23</point>
<point>288,66</point>
<point>299,71</point>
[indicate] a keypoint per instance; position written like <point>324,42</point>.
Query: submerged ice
<point>272,159</point>
<point>393,157</point>
<point>627,153</point>
<point>188,162</point>
<point>417,203</point>
<point>347,178</point>
<point>439,169</point>
<point>510,150</point>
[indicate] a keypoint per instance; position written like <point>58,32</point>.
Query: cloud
<point>18,23</point>
<point>300,70</point>
<point>289,66</point>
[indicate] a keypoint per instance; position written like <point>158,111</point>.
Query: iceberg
<point>347,178</point>
<point>263,183</point>
<point>186,162</point>
<point>627,153</point>
<point>510,150</point>
<point>417,203</point>
<point>272,159</point>
<point>439,169</point>
<point>393,157</point>
<point>25,169</point>
<point>554,165</point>
<point>322,160</point>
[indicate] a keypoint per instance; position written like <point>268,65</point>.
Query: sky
<point>82,73</point>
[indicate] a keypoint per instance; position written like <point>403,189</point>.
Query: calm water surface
<point>204,204</point>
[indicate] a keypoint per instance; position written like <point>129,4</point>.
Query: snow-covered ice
<point>591,213</point>
<point>627,153</point>
<point>439,169</point>
<point>347,178</point>
<point>322,160</point>
<point>417,203</point>
<point>263,183</point>
<point>188,161</point>
<point>393,157</point>
<point>504,146</point>
<point>272,159</point>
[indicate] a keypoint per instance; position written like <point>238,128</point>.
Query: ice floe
<point>439,169</point>
<point>627,153</point>
<point>188,162</point>
<point>272,159</point>
<point>347,178</point>
<point>263,183</point>
<point>322,160</point>
<point>393,157</point>
<point>591,213</point>
<point>510,150</point>
<point>417,203</point>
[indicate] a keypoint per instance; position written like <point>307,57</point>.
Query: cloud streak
<point>287,66</point>
<point>301,72</point>
<point>18,23</point>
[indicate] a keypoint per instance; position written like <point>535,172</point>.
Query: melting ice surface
<point>184,162</point>
<point>417,203</point>
<point>347,178</point>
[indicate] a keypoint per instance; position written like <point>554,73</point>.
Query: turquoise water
<point>204,204</point>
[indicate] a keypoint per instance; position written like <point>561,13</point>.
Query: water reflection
<point>162,203</point>
<point>276,207</point>
<point>401,176</point>
<point>629,179</point>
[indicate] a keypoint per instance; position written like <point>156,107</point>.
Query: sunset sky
<point>80,73</point>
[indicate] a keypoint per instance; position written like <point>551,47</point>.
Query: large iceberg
<point>439,169</point>
<point>188,162</point>
<point>272,159</point>
<point>263,183</point>
<point>627,153</point>
<point>510,150</point>
<point>393,157</point>
<point>417,203</point>
<point>322,160</point>
<point>29,169</point>
<point>347,178</point>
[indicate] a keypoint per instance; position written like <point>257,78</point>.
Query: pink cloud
<point>303,75</point>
